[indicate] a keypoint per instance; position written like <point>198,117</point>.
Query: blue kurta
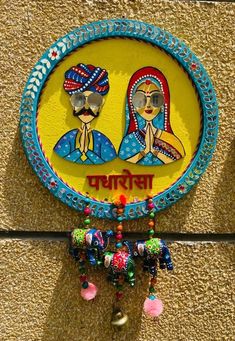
<point>100,150</point>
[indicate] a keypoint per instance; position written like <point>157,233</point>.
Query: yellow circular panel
<point>121,58</point>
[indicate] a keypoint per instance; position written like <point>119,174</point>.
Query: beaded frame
<point>108,29</point>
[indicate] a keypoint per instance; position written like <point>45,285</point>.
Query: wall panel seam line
<point>168,236</point>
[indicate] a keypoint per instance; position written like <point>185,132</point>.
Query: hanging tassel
<point>153,306</point>
<point>89,293</point>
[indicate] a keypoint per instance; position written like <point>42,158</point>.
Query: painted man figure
<point>86,85</point>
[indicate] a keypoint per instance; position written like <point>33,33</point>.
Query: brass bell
<point>119,319</point>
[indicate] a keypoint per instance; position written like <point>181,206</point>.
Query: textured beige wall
<point>29,27</point>
<point>40,297</point>
<point>39,282</point>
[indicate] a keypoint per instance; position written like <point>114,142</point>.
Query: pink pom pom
<point>90,292</point>
<point>153,307</point>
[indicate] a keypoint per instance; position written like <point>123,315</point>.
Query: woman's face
<point>148,100</point>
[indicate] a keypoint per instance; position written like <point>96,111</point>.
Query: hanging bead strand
<point>152,305</point>
<point>121,257</point>
<point>120,207</point>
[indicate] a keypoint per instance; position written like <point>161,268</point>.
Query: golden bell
<point>119,319</point>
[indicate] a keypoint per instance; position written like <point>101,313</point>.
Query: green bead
<point>85,285</point>
<point>119,287</point>
<point>151,215</point>
<point>87,221</point>
<point>151,232</point>
<point>82,270</point>
<point>151,289</point>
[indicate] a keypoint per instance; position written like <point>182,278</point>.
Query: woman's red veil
<point>139,77</point>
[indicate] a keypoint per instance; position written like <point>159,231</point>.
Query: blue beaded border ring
<point>129,29</point>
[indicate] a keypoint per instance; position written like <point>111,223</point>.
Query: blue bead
<point>120,219</point>
<point>152,297</point>
<point>85,285</point>
<point>118,245</point>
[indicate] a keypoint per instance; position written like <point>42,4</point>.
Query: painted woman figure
<point>149,139</point>
<point>86,85</point>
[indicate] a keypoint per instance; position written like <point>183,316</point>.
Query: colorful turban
<point>86,77</point>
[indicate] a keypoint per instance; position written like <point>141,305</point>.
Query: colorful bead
<point>151,289</point>
<point>120,219</point>
<point>119,228</point>
<point>119,295</point>
<point>151,232</point>
<point>151,223</point>
<point>119,287</point>
<point>118,245</point>
<point>87,211</point>
<point>85,285</point>
<point>151,206</point>
<point>82,270</point>
<point>87,221</point>
<point>87,201</point>
<point>119,236</point>
<point>83,278</point>
<point>121,280</point>
<point>151,214</point>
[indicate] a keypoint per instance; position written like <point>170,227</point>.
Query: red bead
<point>83,278</point>
<point>119,295</point>
<point>87,211</point>
<point>150,205</point>
<point>119,236</point>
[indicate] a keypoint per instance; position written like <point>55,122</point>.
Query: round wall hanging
<point>119,106</point>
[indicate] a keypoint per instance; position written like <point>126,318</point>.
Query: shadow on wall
<point>30,206</point>
<point>69,317</point>
<point>224,203</point>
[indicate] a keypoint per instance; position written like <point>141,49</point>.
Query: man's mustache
<point>83,111</point>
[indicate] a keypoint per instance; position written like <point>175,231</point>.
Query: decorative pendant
<point>132,148</point>
<point>88,244</point>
